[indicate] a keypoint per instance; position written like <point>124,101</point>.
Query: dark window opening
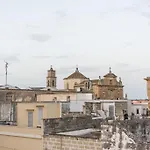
<point>110,82</point>
<point>48,83</point>
<point>55,98</point>
<point>137,111</point>
<point>9,97</point>
<point>53,83</point>
<point>86,85</point>
<point>67,85</point>
<point>68,98</point>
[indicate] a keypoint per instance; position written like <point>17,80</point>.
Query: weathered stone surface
<point>116,135</point>
<point>9,99</point>
<point>68,124</point>
<point>56,142</point>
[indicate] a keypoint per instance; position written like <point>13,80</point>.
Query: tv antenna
<point>6,72</point>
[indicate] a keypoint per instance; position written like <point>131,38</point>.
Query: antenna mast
<point>6,67</point>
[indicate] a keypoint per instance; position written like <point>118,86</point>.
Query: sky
<point>93,34</point>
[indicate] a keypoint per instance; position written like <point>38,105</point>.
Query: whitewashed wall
<point>84,96</point>
<point>81,98</point>
<point>140,107</point>
<point>105,107</point>
<point>76,106</point>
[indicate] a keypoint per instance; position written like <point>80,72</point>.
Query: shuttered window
<point>111,111</point>
<point>30,118</point>
<point>40,115</point>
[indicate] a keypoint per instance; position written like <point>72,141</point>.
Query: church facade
<point>108,87</point>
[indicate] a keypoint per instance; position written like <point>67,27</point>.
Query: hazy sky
<point>93,34</point>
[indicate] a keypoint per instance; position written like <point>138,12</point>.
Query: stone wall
<point>5,111</point>
<point>57,142</point>
<point>17,95</point>
<point>127,135</point>
<point>139,131</point>
<point>56,125</point>
<point>9,99</point>
<point>132,134</point>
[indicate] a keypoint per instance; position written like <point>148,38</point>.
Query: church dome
<point>76,75</point>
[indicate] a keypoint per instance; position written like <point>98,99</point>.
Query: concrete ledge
<point>21,135</point>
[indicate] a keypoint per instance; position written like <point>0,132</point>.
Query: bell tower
<point>51,78</point>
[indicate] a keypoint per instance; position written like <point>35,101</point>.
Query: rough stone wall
<point>56,125</point>
<point>56,142</point>
<point>139,131</point>
<point>18,95</point>
<point>116,135</point>
<point>8,98</point>
<point>131,134</point>
<point>114,138</point>
<point>5,111</point>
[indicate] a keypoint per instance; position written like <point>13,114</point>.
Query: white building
<point>138,107</point>
<point>81,98</point>
<point>106,108</point>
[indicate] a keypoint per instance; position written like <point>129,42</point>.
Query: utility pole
<point>6,67</point>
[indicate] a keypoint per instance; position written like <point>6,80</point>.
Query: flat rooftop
<point>105,101</point>
<point>87,133</point>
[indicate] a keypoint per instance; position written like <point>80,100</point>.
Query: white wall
<point>81,98</point>
<point>105,107</point>
<point>84,96</point>
<point>77,106</point>
<point>134,108</point>
<point>129,106</point>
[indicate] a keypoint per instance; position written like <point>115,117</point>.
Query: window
<point>48,83</point>
<point>53,83</point>
<point>30,118</point>
<point>55,98</point>
<point>86,85</point>
<point>111,111</point>
<point>68,98</point>
<point>9,97</point>
<point>137,111</point>
<point>40,115</point>
<point>65,108</point>
<point>110,82</point>
<point>67,85</point>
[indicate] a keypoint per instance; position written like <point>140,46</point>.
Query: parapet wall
<point>56,142</point>
<point>56,125</point>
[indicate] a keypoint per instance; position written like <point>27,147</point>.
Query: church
<point>108,87</point>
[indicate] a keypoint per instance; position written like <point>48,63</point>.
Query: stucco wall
<point>69,83</point>
<point>84,96</point>
<point>16,138</point>
<point>50,110</point>
<point>59,96</point>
